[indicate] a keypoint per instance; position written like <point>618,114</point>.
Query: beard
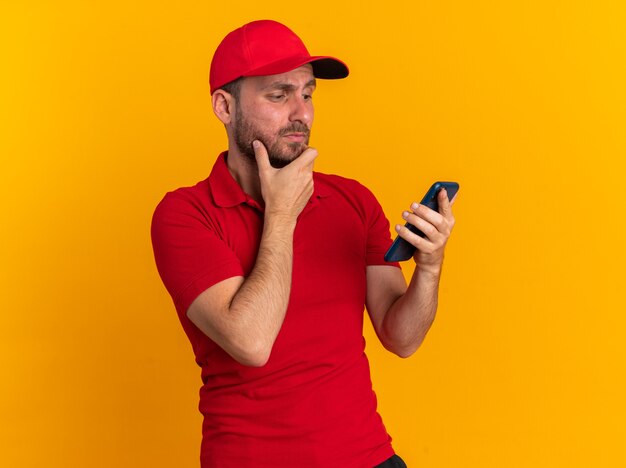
<point>280,152</point>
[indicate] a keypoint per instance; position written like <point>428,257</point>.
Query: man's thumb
<point>260,153</point>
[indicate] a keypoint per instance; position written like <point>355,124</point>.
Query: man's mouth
<point>296,136</point>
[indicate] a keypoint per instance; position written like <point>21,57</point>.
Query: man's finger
<point>444,203</point>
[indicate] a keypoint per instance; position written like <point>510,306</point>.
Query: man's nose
<point>302,110</point>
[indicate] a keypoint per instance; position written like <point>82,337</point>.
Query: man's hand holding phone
<point>427,229</point>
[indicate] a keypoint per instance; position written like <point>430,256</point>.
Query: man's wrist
<point>276,221</point>
<point>429,271</point>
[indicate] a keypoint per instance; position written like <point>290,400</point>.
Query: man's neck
<point>245,173</point>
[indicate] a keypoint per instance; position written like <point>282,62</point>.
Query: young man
<point>270,265</point>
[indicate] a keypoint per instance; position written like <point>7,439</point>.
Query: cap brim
<point>324,67</point>
<point>329,68</point>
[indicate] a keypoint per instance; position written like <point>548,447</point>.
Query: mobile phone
<point>401,250</point>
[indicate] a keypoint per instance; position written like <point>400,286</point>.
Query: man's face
<point>278,111</point>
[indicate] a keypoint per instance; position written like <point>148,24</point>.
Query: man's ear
<point>223,106</point>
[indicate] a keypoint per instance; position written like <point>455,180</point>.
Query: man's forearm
<point>259,306</point>
<point>410,317</point>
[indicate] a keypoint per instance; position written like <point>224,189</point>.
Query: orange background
<point>105,107</point>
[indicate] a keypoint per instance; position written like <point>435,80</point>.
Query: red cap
<point>266,47</point>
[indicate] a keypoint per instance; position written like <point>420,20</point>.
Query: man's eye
<point>276,97</point>
<point>307,97</point>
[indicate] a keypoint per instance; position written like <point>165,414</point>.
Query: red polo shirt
<point>312,404</point>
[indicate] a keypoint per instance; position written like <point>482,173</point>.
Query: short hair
<point>233,87</point>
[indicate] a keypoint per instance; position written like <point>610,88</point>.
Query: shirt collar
<point>225,189</point>
<point>228,193</point>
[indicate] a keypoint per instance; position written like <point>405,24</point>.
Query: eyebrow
<point>281,85</point>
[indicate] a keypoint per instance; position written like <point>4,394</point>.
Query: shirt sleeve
<point>378,236</point>
<point>189,255</point>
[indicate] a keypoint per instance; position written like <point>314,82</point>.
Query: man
<point>270,266</point>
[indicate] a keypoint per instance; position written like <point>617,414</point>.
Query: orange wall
<point>105,107</point>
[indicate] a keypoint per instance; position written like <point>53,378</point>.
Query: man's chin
<point>279,160</point>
